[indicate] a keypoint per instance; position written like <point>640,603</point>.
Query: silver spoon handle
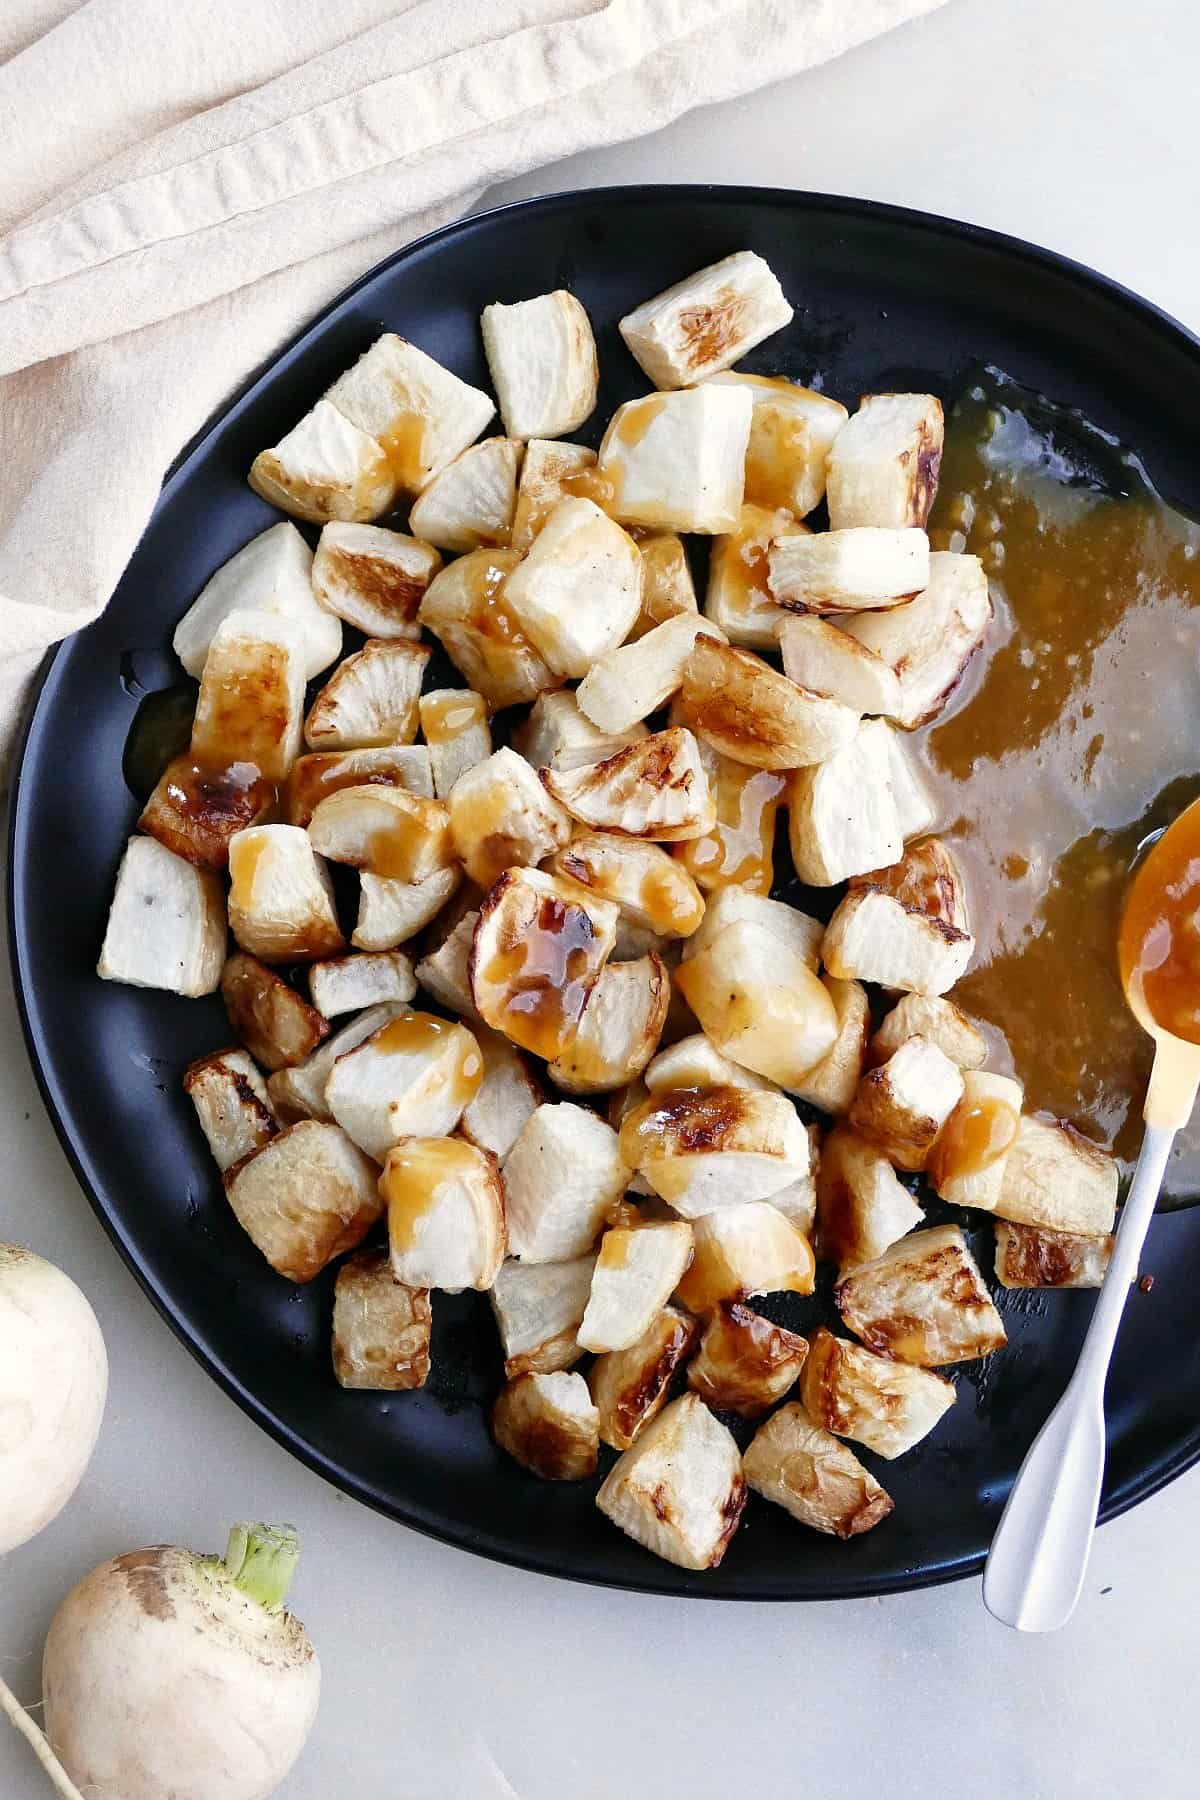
<point>1039,1555</point>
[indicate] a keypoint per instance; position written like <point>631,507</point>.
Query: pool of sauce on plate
<point>1072,739</point>
<point>1159,949</point>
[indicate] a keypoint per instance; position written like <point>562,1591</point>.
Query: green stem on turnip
<point>261,1560</point>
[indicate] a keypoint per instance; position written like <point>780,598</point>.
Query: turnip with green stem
<point>169,1673</point>
<point>53,1382</point>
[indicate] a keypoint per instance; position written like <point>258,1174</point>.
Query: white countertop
<point>449,1678</point>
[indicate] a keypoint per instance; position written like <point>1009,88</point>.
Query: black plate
<point>884,298</point>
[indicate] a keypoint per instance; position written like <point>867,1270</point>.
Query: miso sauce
<point>1075,734</point>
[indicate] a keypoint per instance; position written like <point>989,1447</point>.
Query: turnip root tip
<point>11,1707</point>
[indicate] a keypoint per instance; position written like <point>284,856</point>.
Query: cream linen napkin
<point>182,186</point>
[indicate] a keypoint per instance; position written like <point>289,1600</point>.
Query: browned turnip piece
<point>308,1195</point>
<point>811,1475</point>
<point>548,1423</point>
<point>380,1327</point>
<point>679,1490</point>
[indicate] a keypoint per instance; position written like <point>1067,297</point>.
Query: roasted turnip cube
<point>630,1386</point>
<point>936,1020</point>
<point>308,1195</point>
<point>281,900</point>
<point>557,735</point>
<point>466,608</point>
<point>904,927</point>
<point>795,930</point>
<point>1029,1256</point>
<point>676,462</point>
<point>842,814</point>
<point>540,944</point>
<point>251,700</point>
<point>505,1099</point>
<point>374,579</point>
<point>832,1083</point>
<point>884,463</point>
<point>445,973</point>
<point>667,586</point>
<point>390,912</point>
<point>195,809</point>
<point>420,413</point>
<point>501,817</point>
<point>275,1023</point>
<point>792,430</point>
<point>469,505</point>
<point>549,473</point>
<point>760,1002</point>
<point>232,1105</point>
<point>695,1062</point>
<point>637,1270</point>
<point>272,573</point>
<point>578,592</point>
<point>862,1205</point>
<point>314,778</point>
<point>385,831</point>
<point>445,1209</point>
<point>646,882</point>
<point>349,983</point>
<point>903,1105</point>
<point>923,1301</point>
<point>561,1176</point>
<point>866,568</point>
<point>370,700</point>
<point>633,680</point>
<point>711,1147</point>
<point>539,1308</point>
<point>380,1326</point>
<point>542,359</point>
<point>818,654</point>
<point>299,1093</point>
<point>706,322</point>
<point>968,1161</point>
<point>741,1251</point>
<point>548,1423</point>
<point>745,1363</point>
<point>679,1490</point>
<point>740,848</point>
<point>166,924</point>
<point>748,711</point>
<point>737,597</point>
<point>814,1477</point>
<point>619,1030</point>
<point>930,639</point>
<point>1057,1178</point>
<point>411,1078</point>
<point>454,722</point>
<point>325,468</point>
<point>888,1406</point>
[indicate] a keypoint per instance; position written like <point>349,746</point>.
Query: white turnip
<point>53,1381</point>
<point>168,1673</point>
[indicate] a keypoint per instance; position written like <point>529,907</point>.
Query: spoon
<point>1038,1559</point>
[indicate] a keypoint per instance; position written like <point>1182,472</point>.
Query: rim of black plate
<point>682,1585</point>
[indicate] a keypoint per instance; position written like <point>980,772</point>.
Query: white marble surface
<point>445,1677</point>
